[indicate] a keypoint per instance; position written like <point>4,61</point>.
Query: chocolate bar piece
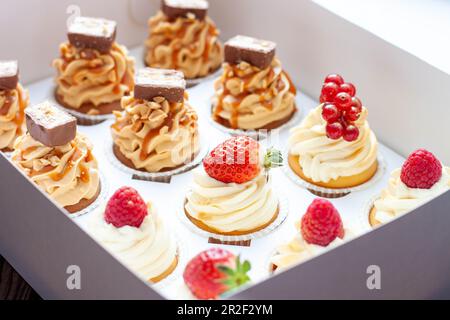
<point>50,125</point>
<point>151,83</point>
<point>9,75</point>
<point>92,33</point>
<point>181,8</point>
<point>258,53</point>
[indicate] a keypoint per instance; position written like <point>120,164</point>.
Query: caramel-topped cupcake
<point>157,130</point>
<point>13,101</point>
<point>184,38</point>
<point>93,71</point>
<point>254,92</point>
<point>57,158</point>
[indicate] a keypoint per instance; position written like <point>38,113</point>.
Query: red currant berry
<point>343,101</point>
<point>322,99</point>
<point>334,130</point>
<point>330,113</point>
<point>329,91</point>
<point>352,114</point>
<point>349,88</point>
<point>351,133</point>
<point>335,78</point>
<point>357,103</point>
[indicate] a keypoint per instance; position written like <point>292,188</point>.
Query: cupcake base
<point>7,150</point>
<point>166,273</point>
<point>84,203</point>
<point>340,183</point>
<point>372,219</point>
<point>270,126</point>
<point>90,110</point>
<point>204,227</point>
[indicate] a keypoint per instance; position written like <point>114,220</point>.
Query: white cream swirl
<point>298,250</point>
<point>67,173</point>
<point>231,207</point>
<point>323,159</point>
<point>398,199</point>
<point>149,250</point>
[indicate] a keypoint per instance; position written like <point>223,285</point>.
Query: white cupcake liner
<point>333,193</point>
<point>282,215</point>
<point>102,197</point>
<point>190,83</point>
<point>156,176</point>
<point>257,134</point>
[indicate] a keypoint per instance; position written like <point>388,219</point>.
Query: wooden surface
<point>12,286</point>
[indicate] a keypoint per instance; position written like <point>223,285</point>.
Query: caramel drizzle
<point>20,115</point>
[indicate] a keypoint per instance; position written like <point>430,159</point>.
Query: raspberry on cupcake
<point>320,229</point>
<point>135,234</point>
<point>232,193</point>
<point>334,147</point>
<point>421,178</point>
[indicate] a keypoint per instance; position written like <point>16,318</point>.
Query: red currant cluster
<point>341,108</point>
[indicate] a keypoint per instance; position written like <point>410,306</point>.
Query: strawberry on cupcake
<point>232,193</point>
<point>421,178</point>
<point>134,233</point>
<point>215,272</point>
<point>320,229</point>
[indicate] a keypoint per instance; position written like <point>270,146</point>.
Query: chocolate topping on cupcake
<point>182,8</point>
<point>9,75</point>
<point>256,52</point>
<point>151,83</point>
<point>92,33</point>
<point>50,125</point>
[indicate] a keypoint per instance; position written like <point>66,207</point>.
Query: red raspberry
<point>321,223</point>
<point>126,208</point>
<point>421,170</point>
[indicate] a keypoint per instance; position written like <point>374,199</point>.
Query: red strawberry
<point>421,170</point>
<point>237,160</point>
<point>321,223</point>
<point>126,208</point>
<point>214,272</point>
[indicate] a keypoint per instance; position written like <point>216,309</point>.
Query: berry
<point>329,91</point>
<point>334,130</point>
<point>352,114</point>
<point>214,272</point>
<point>321,223</point>
<point>335,78</point>
<point>237,160</point>
<point>351,133</point>
<point>343,101</point>
<point>421,170</point>
<point>348,88</point>
<point>330,113</point>
<point>126,208</point>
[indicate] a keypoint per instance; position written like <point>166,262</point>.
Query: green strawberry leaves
<point>273,159</point>
<point>234,278</point>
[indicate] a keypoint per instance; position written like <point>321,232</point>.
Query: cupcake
<point>184,38</point>
<point>334,147</point>
<point>57,158</point>
<point>133,232</point>
<point>93,71</point>
<point>215,272</point>
<point>232,192</point>
<point>13,101</point>
<point>421,179</point>
<point>157,130</point>
<point>320,229</point>
<point>253,92</point>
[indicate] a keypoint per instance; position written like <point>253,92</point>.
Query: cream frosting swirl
<point>398,199</point>
<point>156,135</point>
<point>12,116</point>
<point>229,207</point>
<point>250,98</point>
<point>68,174</point>
<point>298,250</point>
<point>186,44</point>
<point>86,76</point>
<point>149,250</point>
<point>323,159</point>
